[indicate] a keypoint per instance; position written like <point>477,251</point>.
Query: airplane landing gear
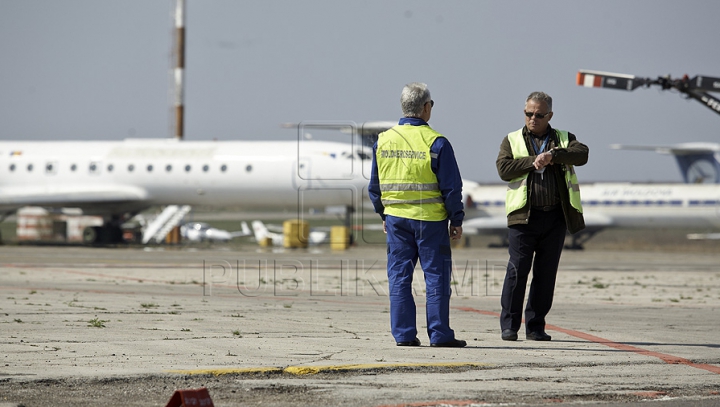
<point>98,235</point>
<point>577,241</point>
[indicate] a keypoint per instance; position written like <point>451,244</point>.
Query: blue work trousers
<point>407,241</point>
<point>537,245</point>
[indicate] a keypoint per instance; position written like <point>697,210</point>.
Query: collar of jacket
<point>413,121</point>
<point>528,133</point>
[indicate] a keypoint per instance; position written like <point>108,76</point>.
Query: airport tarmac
<point>309,327</point>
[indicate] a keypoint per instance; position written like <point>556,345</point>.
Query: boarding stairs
<point>170,217</point>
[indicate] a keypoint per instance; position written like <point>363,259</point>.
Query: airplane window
<point>248,168</point>
<point>223,168</point>
<point>188,168</point>
<point>73,168</point>
<point>149,168</point>
<point>131,168</point>
<point>93,167</point>
<point>29,167</point>
<point>110,167</point>
<point>168,168</point>
<point>205,168</point>
<point>12,167</point>
<point>48,167</point>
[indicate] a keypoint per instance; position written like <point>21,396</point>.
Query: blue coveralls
<point>410,239</point>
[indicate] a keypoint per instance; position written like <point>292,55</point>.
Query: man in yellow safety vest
<point>416,188</point>
<point>542,203</point>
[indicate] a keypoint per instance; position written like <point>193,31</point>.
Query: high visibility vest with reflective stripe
<point>516,195</point>
<point>409,188</point>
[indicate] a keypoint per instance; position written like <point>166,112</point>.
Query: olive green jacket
<point>510,168</point>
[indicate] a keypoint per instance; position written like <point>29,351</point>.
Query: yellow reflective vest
<point>516,195</point>
<point>408,186</point>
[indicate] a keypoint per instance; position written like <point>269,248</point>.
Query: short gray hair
<point>413,99</point>
<point>540,97</point>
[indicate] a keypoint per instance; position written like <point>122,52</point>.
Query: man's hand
<point>384,228</point>
<point>455,232</point>
<point>542,160</point>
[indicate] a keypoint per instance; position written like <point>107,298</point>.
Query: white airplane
<point>608,205</point>
<point>118,179</point>
<point>262,232</point>
<point>202,232</point>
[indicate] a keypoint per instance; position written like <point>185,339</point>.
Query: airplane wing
<point>362,129</point>
<point>368,131</point>
<point>492,224</point>
<point>245,231</point>
<point>703,236</point>
<point>275,228</point>
<point>94,197</point>
<point>675,149</point>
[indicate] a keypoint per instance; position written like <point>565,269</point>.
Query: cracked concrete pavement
<point>312,326</point>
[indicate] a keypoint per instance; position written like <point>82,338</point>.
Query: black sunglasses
<point>538,115</point>
<point>432,103</point>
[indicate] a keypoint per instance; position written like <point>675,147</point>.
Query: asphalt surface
<point>103,326</point>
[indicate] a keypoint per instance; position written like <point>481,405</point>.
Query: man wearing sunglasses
<point>415,186</point>
<point>542,202</point>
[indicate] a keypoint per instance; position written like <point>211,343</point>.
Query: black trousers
<point>535,246</point>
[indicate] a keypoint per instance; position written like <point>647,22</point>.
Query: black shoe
<point>414,342</point>
<point>537,336</point>
<point>455,343</point>
<point>509,335</point>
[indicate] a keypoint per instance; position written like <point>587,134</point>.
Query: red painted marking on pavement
<point>478,311</point>
<point>670,359</point>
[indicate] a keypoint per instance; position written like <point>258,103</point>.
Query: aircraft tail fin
<point>245,229</point>
<point>699,162</point>
<point>260,230</point>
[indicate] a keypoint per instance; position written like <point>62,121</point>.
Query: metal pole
<point>179,67</point>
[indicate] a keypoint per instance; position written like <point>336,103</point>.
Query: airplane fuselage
<point>109,177</point>
<point>627,204</point>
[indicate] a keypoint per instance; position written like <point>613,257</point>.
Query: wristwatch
<point>552,153</point>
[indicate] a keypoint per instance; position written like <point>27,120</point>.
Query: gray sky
<point>100,70</point>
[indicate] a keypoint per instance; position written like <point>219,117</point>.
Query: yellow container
<point>173,237</point>
<point>295,233</point>
<point>265,242</point>
<point>339,237</point>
